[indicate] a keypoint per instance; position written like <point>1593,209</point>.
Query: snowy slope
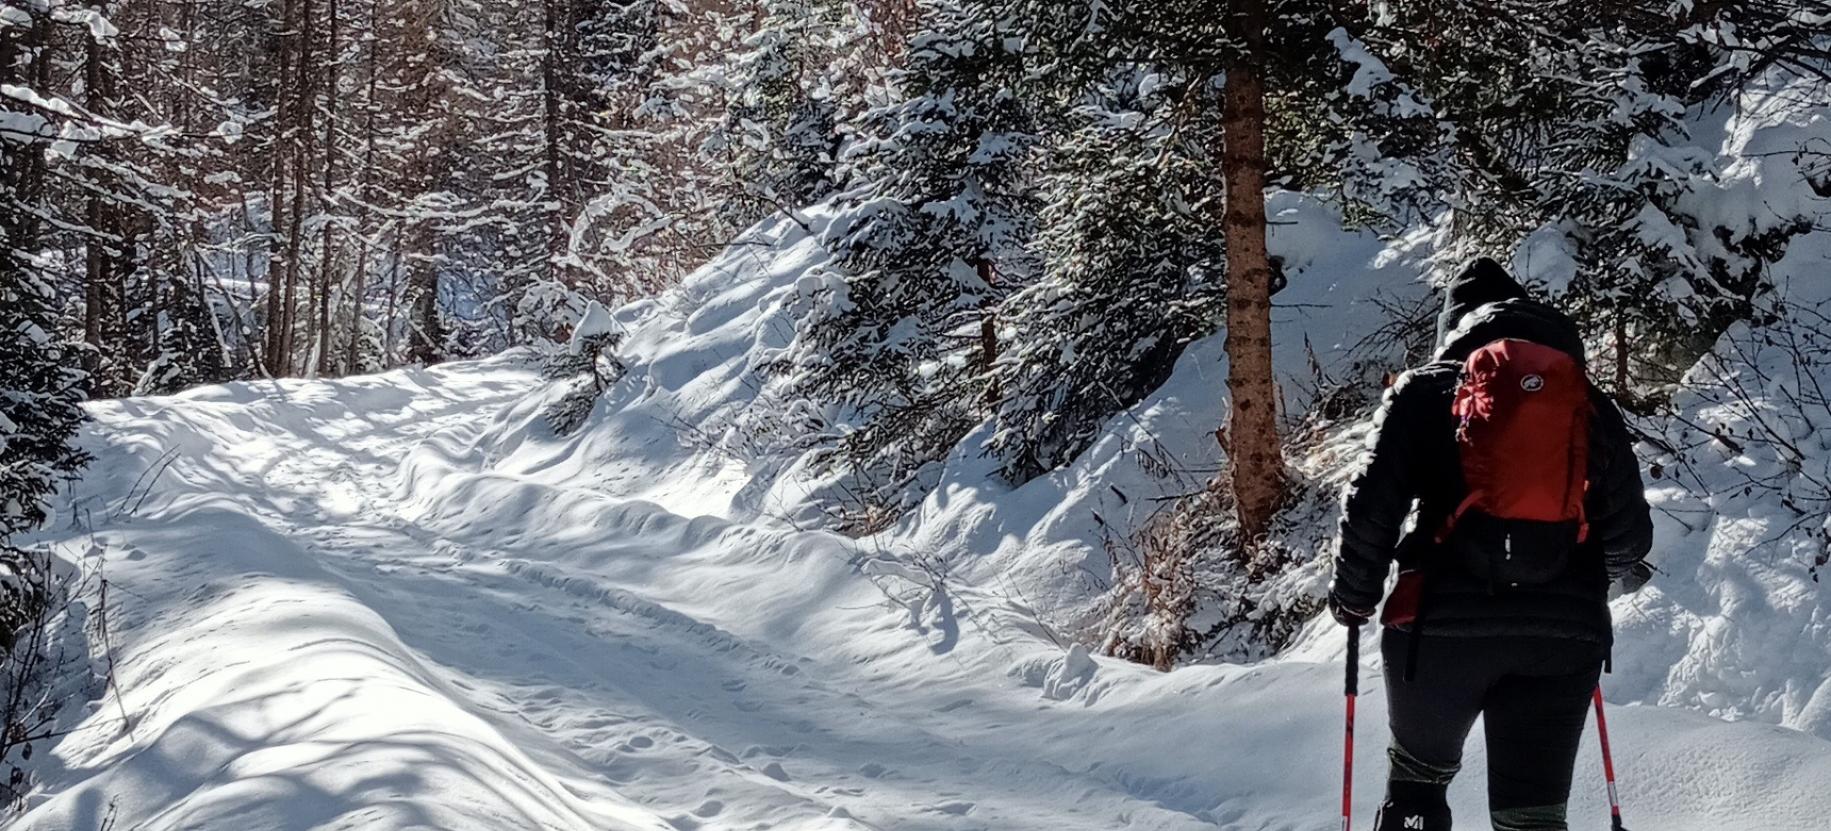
<point>401,602</point>
<point>1737,624</point>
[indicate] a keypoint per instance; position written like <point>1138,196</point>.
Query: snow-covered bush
<point>1187,588</point>
<point>1589,141</point>
<point>587,366</point>
<point>1761,400</point>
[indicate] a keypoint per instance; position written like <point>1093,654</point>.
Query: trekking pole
<point>1353,692</point>
<point>1608,764</point>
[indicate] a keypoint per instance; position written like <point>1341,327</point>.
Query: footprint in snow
<point>958,809</point>
<point>639,743</point>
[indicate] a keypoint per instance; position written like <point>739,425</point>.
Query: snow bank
<point>701,428</point>
<point>1737,624</point>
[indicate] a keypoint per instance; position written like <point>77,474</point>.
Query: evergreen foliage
<point>41,398</point>
<point>1133,275</point>
<point>782,127</point>
<point>932,238</point>
<point>588,366</point>
<point>1566,123</point>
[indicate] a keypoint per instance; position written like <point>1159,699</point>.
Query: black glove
<point>1346,616</point>
<point>1637,576</point>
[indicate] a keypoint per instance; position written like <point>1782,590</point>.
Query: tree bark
<point>353,354</point>
<point>1255,456</point>
<point>101,291</point>
<point>274,341</point>
<point>394,288</point>
<point>299,128</point>
<point>323,362</point>
<point>988,330</point>
<point>553,127</point>
<point>425,332</point>
<point>1621,354</point>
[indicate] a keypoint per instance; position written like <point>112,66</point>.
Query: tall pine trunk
<point>425,332</point>
<point>353,352</point>
<point>324,365</point>
<point>553,115</point>
<point>300,129</point>
<point>988,329</point>
<point>102,293</point>
<point>1254,454</point>
<point>273,343</point>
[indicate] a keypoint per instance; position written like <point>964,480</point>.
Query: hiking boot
<point>1414,806</point>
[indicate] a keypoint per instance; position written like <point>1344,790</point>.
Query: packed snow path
<point>327,611</point>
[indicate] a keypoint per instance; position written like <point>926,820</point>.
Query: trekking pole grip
<point>1347,756</point>
<point>1354,660</point>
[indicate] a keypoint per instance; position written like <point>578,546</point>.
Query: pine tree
<point>782,127</point>
<point>1146,85</point>
<point>935,235</point>
<point>186,350</point>
<point>1569,132</point>
<point>1133,274</point>
<point>40,395</point>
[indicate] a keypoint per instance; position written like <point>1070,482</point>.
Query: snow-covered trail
<point>297,650</point>
<point>331,611</point>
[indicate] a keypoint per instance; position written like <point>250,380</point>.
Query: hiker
<point>1530,505</point>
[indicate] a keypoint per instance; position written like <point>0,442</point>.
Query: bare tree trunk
<point>300,130</point>
<point>323,363</point>
<point>1621,355</point>
<point>274,342</point>
<point>553,127</point>
<point>394,287</point>
<point>100,294</point>
<point>352,355</point>
<point>1255,454</point>
<point>425,333</point>
<point>988,329</point>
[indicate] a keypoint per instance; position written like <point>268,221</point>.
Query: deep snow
<point>400,602</point>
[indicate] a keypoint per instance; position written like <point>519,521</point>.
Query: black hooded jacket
<point>1413,458</point>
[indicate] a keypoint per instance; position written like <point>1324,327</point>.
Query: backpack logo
<point>1532,383</point>
<point>1414,821</point>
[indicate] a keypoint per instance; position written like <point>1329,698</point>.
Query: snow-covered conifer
<point>782,126</point>
<point>40,397</point>
<point>931,240</point>
<point>1133,273</point>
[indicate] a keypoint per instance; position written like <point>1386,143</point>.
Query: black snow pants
<point>1533,694</point>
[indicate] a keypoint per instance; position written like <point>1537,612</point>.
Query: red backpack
<point>1522,412</point>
